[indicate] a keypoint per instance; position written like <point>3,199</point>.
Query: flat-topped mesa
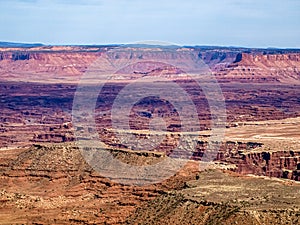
<point>262,67</point>
<point>45,64</point>
<point>229,64</point>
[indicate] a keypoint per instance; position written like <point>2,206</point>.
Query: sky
<point>246,23</point>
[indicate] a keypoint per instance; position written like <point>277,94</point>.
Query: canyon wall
<point>229,64</point>
<point>281,164</point>
<point>283,68</point>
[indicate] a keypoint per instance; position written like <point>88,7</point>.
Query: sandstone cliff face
<point>240,65</point>
<point>281,164</point>
<point>247,67</point>
<point>24,65</point>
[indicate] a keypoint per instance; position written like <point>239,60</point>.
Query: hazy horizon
<point>247,23</point>
<point>120,44</point>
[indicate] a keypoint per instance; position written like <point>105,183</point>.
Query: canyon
<point>46,180</point>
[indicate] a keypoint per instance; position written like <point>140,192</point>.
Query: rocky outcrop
<point>281,164</point>
<point>52,184</point>
<point>260,67</point>
<point>217,198</point>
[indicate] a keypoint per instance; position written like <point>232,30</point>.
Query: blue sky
<point>249,23</point>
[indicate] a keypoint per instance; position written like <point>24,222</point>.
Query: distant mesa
<point>19,45</point>
<point>66,63</point>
